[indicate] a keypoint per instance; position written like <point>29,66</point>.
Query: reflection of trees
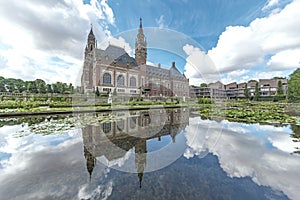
<point>296,131</point>
<point>296,135</point>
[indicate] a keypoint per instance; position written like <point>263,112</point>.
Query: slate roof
<point>114,53</point>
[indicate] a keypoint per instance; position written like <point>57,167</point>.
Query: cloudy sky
<point>227,40</point>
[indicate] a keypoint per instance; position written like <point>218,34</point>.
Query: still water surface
<point>156,154</point>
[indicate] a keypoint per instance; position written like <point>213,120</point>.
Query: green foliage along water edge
<point>294,86</point>
<point>37,86</point>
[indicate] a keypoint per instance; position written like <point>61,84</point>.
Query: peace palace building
<point>113,69</point>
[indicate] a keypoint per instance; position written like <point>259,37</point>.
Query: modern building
<point>266,88</point>
<point>213,90</point>
<point>113,69</point>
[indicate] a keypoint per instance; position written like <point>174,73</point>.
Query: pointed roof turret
<point>140,175</point>
<point>140,46</point>
<point>141,37</point>
<point>91,34</point>
<point>141,25</point>
<point>90,162</point>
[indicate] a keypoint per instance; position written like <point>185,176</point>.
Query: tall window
<point>132,81</point>
<point>121,80</point>
<point>106,78</point>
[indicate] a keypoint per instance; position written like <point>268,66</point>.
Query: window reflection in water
<point>121,125</point>
<point>132,122</point>
<point>106,127</point>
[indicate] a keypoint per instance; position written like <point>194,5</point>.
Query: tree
<point>40,85</point>
<point>279,88</point>
<point>49,88</point>
<point>71,88</point>
<point>293,86</point>
<point>55,88</point>
<point>31,87</point>
<point>2,84</point>
<point>59,87</point>
<point>246,91</point>
<point>10,84</point>
<point>276,77</point>
<point>203,85</point>
<point>20,85</point>
<point>256,93</point>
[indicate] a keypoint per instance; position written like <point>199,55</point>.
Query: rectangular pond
<point>154,154</point>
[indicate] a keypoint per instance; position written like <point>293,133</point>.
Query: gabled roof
<point>174,72</point>
<point>126,59</point>
<point>114,53</point>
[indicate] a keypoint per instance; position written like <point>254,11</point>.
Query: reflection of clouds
<point>235,127</point>
<point>100,192</point>
<point>198,136</point>
<point>243,155</point>
<point>283,141</point>
<point>116,162</point>
<point>44,167</point>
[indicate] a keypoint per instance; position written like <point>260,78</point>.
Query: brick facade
<point>113,69</point>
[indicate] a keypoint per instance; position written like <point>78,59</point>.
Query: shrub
<point>205,101</point>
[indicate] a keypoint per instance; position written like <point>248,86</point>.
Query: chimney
<point>173,64</point>
<point>158,65</point>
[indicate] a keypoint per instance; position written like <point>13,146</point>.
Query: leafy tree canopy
<point>36,86</point>
<point>294,86</point>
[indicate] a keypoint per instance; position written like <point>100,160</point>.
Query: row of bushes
<point>22,104</point>
<point>205,101</point>
<point>274,99</point>
<point>33,98</point>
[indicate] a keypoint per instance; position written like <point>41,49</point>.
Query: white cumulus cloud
<point>199,67</point>
<point>240,46</point>
<point>46,39</point>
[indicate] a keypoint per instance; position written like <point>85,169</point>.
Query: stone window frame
<point>132,81</point>
<point>107,76</point>
<point>120,80</point>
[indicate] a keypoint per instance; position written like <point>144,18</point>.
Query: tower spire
<point>140,46</point>
<point>91,41</point>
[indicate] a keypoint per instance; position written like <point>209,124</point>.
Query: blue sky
<point>210,40</point>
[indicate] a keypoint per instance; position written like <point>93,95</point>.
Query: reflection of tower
<point>90,161</point>
<point>140,158</point>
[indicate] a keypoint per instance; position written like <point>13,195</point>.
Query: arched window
<point>121,80</point>
<point>106,78</point>
<point>106,127</point>
<point>132,81</point>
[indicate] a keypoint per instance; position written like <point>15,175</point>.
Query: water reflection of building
<point>131,130</point>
